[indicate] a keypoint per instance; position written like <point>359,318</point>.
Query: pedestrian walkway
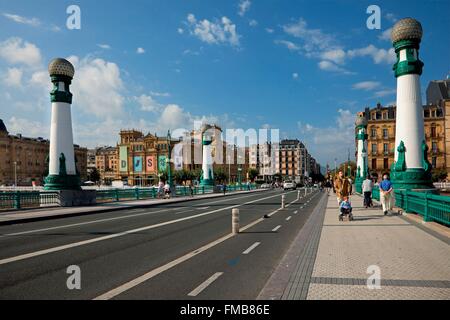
<point>332,263</point>
<point>9,217</point>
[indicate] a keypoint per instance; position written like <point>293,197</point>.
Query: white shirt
<point>367,185</point>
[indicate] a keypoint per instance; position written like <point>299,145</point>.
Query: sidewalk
<point>329,259</point>
<point>28,215</point>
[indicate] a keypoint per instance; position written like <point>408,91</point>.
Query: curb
<point>125,207</point>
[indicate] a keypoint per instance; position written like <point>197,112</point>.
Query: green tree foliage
<point>252,174</point>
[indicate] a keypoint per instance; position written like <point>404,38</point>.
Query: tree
<point>252,174</point>
<point>438,174</point>
<point>220,175</point>
<point>163,175</point>
<point>94,175</point>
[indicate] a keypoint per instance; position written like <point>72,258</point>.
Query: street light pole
<point>15,174</point>
<point>169,172</point>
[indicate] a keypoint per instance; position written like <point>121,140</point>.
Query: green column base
<point>207,182</point>
<point>411,179</point>
<point>358,184</point>
<point>62,182</point>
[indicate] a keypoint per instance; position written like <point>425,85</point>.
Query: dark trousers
<point>368,198</point>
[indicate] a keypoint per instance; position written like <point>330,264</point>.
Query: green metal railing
<point>10,200</point>
<point>430,206</point>
<point>27,199</point>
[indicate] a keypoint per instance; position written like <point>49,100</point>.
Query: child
<point>345,208</point>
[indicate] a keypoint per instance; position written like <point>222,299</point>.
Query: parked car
<point>266,186</point>
<point>289,185</point>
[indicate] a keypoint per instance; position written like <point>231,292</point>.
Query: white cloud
<point>97,87</point>
<point>270,30</point>
<point>253,23</point>
<point>336,55</point>
<point>391,17</point>
<point>327,143</point>
<point>27,127</point>
<point>180,30</point>
<point>288,44</point>
<point>140,50</point>
<point>244,6</point>
<point>104,46</point>
<point>223,31</point>
<point>41,79</point>
<point>378,55</point>
<point>147,103</point>
<point>330,66</point>
<point>159,94</point>
<point>366,85</point>
<point>13,77</point>
<point>295,75</point>
<point>385,35</point>
<point>384,93</point>
<point>17,51</point>
<point>34,22</point>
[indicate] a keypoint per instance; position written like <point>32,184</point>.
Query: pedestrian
<point>367,186</point>
<point>342,187</point>
<point>386,194</point>
<point>191,190</point>
<point>248,185</point>
<point>224,188</point>
<point>160,189</point>
<point>167,190</point>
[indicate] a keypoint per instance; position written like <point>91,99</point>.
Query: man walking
<point>367,186</point>
<point>342,187</point>
<point>386,194</point>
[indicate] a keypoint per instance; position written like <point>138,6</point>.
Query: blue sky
<point>304,67</point>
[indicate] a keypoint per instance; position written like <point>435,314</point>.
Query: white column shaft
<point>409,124</point>
<point>61,138</point>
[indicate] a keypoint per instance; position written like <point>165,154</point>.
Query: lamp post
<point>15,175</point>
<point>169,172</point>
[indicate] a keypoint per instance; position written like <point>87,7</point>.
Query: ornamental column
<point>207,163</point>
<point>361,155</point>
<point>411,169</point>
<point>62,173</point>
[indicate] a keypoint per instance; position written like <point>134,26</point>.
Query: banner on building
<point>137,164</point>
<point>178,156</point>
<point>123,158</point>
<point>150,164</point>
<point>162,163</point>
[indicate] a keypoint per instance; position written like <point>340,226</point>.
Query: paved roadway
<point>172,251</point>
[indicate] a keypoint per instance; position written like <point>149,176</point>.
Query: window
<point>385,163</point>
<point>386,148</point>
<point>374,148</point>
<point>426,113</point>
<point>373,133</point>
<point>385,133</point>
<point>434,147</point>
<point>433,162</point>
<point>374,164</point>
<point>433,132</point>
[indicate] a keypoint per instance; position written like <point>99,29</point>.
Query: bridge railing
<point>10,200</point>
<point>430,206</point>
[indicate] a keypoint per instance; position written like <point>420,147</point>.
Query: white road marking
<point>288,218</point>
<point>296,211</point>
<point>250,249</point>
<point>205,284</point>
<point>120,234</point>
<point>109,219</point>
<point>276,228</point>
<point>152,273</point>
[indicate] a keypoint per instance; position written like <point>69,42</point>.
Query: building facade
<point>381,136</point>
<point>25,159</point>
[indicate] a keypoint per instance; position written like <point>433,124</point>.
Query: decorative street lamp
<point>411,169</point>
<point>169,172</point>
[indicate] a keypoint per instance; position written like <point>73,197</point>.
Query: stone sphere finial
<point>406,29</point>
<point>61,67</point>
<point>360,121</point>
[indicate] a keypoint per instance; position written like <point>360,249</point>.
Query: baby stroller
<point>345,209</point>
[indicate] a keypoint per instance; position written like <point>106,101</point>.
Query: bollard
<point>283,201</point>
<point>235,220</point>
<point>298,194</point>
<point>306,190</point>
